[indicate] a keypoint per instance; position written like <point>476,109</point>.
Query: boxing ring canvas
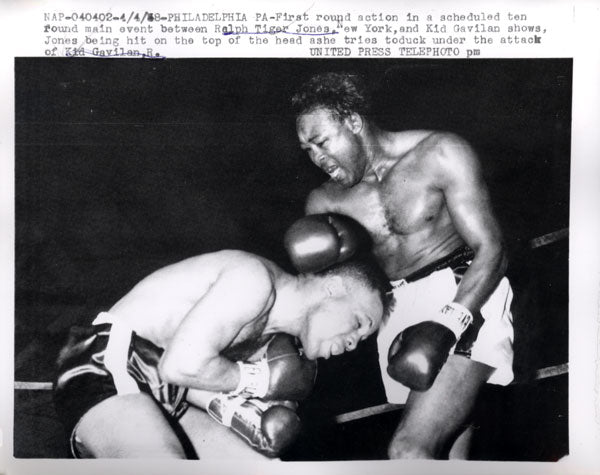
<point>123,166</point>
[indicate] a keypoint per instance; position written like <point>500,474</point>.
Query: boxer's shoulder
<point>229,263</point>
<point>441,149</point>
<point>326,191</point>
<point>332,197</point>
<point>423,143</point>
<point>429,157</point>
<point>253,280</point>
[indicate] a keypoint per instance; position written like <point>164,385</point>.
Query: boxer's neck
<point>374,143</point>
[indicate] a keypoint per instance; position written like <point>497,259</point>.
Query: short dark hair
<point>365,270</point>
<point>341,93</point>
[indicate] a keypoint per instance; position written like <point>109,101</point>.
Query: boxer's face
<point>332,145</point>
<point>341,320</point>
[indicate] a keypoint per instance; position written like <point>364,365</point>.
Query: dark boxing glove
<point>318,241</point>
<point>268,427</point>
<point>283,372</point>
<point>417,354</point>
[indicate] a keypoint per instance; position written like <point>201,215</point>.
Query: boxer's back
<point>155,307</point>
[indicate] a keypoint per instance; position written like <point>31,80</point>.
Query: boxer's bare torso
<point>209,311</point>
<point>402,206</point>
<point>156,306</point>
<point>420,194</point>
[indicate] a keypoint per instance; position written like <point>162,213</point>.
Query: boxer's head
<point>330,110</point>
<point>355,300</point>
<point>342,94</point>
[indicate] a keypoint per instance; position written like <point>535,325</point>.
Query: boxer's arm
<point>468,202</point>
<point>418,353</point>
<point>318,202</point>
<point>240,294</point>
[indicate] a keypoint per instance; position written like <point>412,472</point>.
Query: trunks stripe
<point>115,359</point>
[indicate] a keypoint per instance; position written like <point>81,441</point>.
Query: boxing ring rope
<point>542,373</point>
<point>33,385</point>
<point>549,238</point>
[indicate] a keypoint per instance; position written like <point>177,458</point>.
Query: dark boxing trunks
<point>104,360</point>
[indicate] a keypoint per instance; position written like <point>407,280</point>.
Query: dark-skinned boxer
<point>421,196</point>
<point>218,331</point>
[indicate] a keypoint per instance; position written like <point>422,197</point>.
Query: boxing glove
<point>282,372</point>
<point>318,241</point>
<point>267,427</point>
<point>417,354</point>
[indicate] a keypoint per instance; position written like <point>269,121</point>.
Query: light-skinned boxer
<point>228,332</point>
<point>421,196</point>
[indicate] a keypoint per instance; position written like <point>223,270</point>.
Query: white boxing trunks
<point>421,299</point>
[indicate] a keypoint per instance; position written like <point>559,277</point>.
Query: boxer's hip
<point>421,295</point>
<point>107,359</point>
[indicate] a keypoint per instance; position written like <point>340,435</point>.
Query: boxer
<point>421,197</point>
<point>229,332</point>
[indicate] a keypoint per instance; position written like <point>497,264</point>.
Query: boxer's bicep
<point>466,194</point>
<point>316,202</point>
<point>193,358</point>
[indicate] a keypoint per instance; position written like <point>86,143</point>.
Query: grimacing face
<point>341,321</point>
<point>332,145</point>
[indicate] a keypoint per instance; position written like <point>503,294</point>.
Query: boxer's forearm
<point>482,277</point>
<point>212,374</point>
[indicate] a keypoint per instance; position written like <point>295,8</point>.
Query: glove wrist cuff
<point>455,317</point>
<point>226,407</point>
<point>254,379</point>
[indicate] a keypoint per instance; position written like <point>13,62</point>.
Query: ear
<point>334,286</point>
<point>355,122</point>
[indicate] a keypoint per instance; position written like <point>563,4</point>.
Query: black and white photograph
<point>292,259</point>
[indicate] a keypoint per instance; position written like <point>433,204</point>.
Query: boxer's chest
<point>403,203</point>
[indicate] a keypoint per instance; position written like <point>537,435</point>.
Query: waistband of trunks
<point>456,258</point>
<point>102,318</point>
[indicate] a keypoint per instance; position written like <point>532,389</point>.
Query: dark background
<point>124,166</point>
